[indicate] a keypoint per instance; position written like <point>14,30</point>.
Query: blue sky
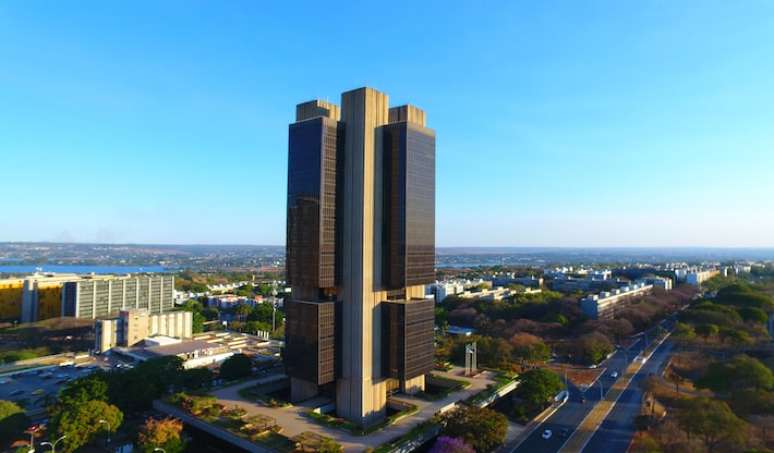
<point>558,123</point>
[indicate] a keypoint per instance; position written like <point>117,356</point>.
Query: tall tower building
<point>360,248</point>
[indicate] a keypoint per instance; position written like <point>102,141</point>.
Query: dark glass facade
<point>310,341</point>
<point>407,327</point>
<point>408,241</point>
<point>311,220</point>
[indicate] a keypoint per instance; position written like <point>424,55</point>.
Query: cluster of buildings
<point>490,288</point>
<point>360,248</point>
<point>43,296</point>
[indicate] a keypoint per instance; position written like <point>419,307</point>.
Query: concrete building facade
<point>133,326</point>
<point>605,304</point>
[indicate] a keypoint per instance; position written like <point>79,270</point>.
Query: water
<point>79,269</point>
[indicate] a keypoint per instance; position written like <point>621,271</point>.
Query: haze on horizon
<point>595,124</point>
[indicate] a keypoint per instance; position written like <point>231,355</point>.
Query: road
<point>570,415</point>
<point>615,433</point>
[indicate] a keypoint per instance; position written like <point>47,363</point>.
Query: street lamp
<point>104,422</point>
<point>601,390</point>
<point>53,446</point>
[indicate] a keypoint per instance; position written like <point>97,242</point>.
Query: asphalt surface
<point>33,388</point>
<point>572,413</point>
<point>616,432</point>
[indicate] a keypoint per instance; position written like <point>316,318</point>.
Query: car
<point>583,400</point>
<point>564,432</point>
<point>38,392</point>
<point>547,434</point>
<point>17,392</point>
<point>614,375</point>
<point>4,381</point>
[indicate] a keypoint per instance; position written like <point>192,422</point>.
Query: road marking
<point>602,403</point>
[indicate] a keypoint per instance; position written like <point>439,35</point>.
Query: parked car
<point>547,434</point>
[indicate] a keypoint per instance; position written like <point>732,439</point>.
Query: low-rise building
<point>134,326</point>
<point>664,283</point>
<point>605,304</point>
<point>194,353</point>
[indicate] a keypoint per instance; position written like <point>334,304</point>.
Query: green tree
<point>197,378</point>
<point>537,387</point>
<point>92,387</point>
<point>712,421</point>
<point>592,348</point>
<point>235,367</point>
<point>13,421</point>
<point>164,433</point>
<point>752,314</point>
<point>707,330</point>
<point>481,428</point>
<point>740,373</point>
<point>81,422</point>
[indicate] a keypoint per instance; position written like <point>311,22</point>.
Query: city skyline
<point>575,126</point>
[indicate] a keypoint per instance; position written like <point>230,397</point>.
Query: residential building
<point>605,304</point>
<point>699,276</point>
<point>360,248</point>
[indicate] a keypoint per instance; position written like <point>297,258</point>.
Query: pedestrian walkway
<point>293,421</point>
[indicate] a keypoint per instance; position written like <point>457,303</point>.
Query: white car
<point>614,375</point>
<point>547,434</point>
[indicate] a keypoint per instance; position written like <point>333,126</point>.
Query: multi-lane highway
<point>615,433</point>
<point>565,420</point>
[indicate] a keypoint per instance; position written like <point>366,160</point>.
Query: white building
<point>604,304</point>
<point>697,277</point>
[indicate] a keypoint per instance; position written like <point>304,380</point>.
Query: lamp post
<point>104,422</point>
<point>601,390</point>
<point>53,446</point>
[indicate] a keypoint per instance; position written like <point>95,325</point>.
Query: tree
<point>163,433</point>
<point>197,378</point>
<point>740,373</point>
<point>707,330</point>
<point>481,428</point>
<point>235,367</point>
<point>752,314</point>
<point>13,421</point>
<point>529,348</point>
<point>494,352</point>
<point>81,422</point>
<point>592,348</point>
<point>92,387</point>
<point>446,444</point>
<point>711,420</point>
<point>537,387</point>
<point>684,332</point>
<point>242,310</point>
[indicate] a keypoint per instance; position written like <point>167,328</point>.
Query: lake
<point>79,269</point>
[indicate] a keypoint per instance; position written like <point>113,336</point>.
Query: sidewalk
<point>293,421</point>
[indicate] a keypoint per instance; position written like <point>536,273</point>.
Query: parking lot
<point>34,389</point>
